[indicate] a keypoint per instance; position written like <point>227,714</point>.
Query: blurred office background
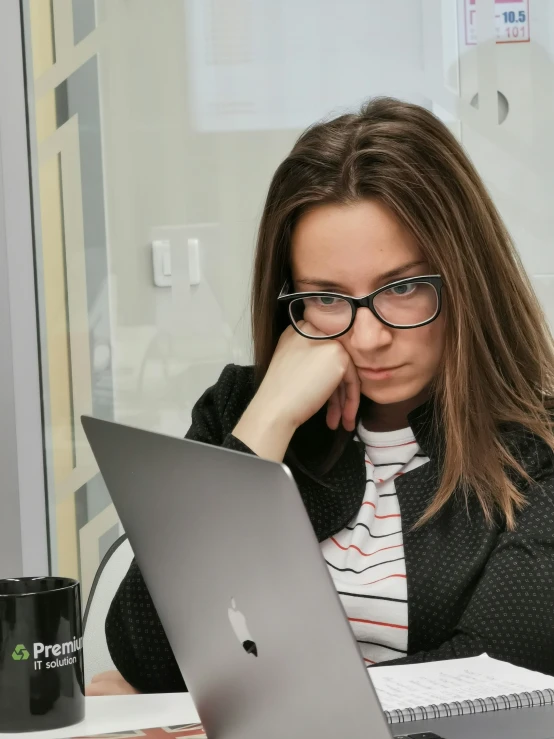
<point>151,131</point>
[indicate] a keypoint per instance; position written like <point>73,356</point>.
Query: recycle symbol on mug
<point>20,653</point>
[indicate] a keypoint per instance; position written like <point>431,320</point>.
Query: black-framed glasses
<point>407,303</point>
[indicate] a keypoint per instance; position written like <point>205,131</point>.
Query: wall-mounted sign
<point>282,64</point>
<point>512,21</point>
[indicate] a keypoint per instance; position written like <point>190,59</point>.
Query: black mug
<point>41,654</point>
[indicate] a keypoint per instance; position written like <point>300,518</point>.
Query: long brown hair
<point>498,364</point>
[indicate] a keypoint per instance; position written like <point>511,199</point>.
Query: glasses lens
<point>408,304</point>
<point>321,316</point>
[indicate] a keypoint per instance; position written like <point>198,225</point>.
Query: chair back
<point>107,580</point>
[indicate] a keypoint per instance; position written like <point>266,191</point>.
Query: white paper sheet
<point>410,686</point>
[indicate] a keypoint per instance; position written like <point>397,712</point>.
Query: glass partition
<point>156,127</point>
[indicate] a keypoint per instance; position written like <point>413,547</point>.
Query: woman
<point>414,418</point>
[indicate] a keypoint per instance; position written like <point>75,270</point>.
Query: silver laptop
<point>232,563</point>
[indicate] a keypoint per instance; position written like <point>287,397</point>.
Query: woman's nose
<point>368,332</point>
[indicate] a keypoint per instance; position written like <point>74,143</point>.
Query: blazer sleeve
<point>509,615</point>
<point>135,636</point>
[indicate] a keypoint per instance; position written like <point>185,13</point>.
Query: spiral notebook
<point>458,687</point>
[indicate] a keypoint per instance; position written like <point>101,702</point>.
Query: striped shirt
<point>366,559</point>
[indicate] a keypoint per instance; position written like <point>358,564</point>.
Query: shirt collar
<point>314,439</point>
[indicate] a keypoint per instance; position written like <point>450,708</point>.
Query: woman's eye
<point>326,300</point>
<point>406,289</point>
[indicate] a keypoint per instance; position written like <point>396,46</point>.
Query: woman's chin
<point>389,393</point>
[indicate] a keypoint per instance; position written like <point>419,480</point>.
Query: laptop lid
<point>231,561</point>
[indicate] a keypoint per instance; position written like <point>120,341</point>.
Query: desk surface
<point>121,712</point>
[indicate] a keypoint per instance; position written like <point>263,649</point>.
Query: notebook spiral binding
<point>466,707</point>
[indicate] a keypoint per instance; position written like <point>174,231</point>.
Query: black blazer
<point>472,588</point>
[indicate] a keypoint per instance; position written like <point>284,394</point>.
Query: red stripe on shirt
<point>381,579</point>
<point>398,474</point>
<point>377,623</point>
<point>371,662</point>
<point>392,446</point>
<point>364,554</point>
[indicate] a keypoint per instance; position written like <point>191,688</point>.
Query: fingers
<point>109,687</point>
<point>342,396</point>
<point>351,384</point>
<point>334,411</point>
<point>110,675</point>
<point>109,683</point>
<point>99,688</point>
<point>344,402</point>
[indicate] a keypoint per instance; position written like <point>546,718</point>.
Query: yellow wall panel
<point>59,360</point>
<point>68,556</point>
<point>42,36</point>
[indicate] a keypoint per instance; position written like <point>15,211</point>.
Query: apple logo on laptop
<point>238,624</point>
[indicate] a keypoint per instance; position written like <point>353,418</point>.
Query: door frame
<point>23,523</point>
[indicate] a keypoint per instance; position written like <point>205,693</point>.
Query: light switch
<point>161,262</point>
<point>166,262</point>
<point>194,261</point>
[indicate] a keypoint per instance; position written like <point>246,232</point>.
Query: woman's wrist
<point>265,429</point>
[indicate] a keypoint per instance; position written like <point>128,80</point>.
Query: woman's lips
<point>377,373</point>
